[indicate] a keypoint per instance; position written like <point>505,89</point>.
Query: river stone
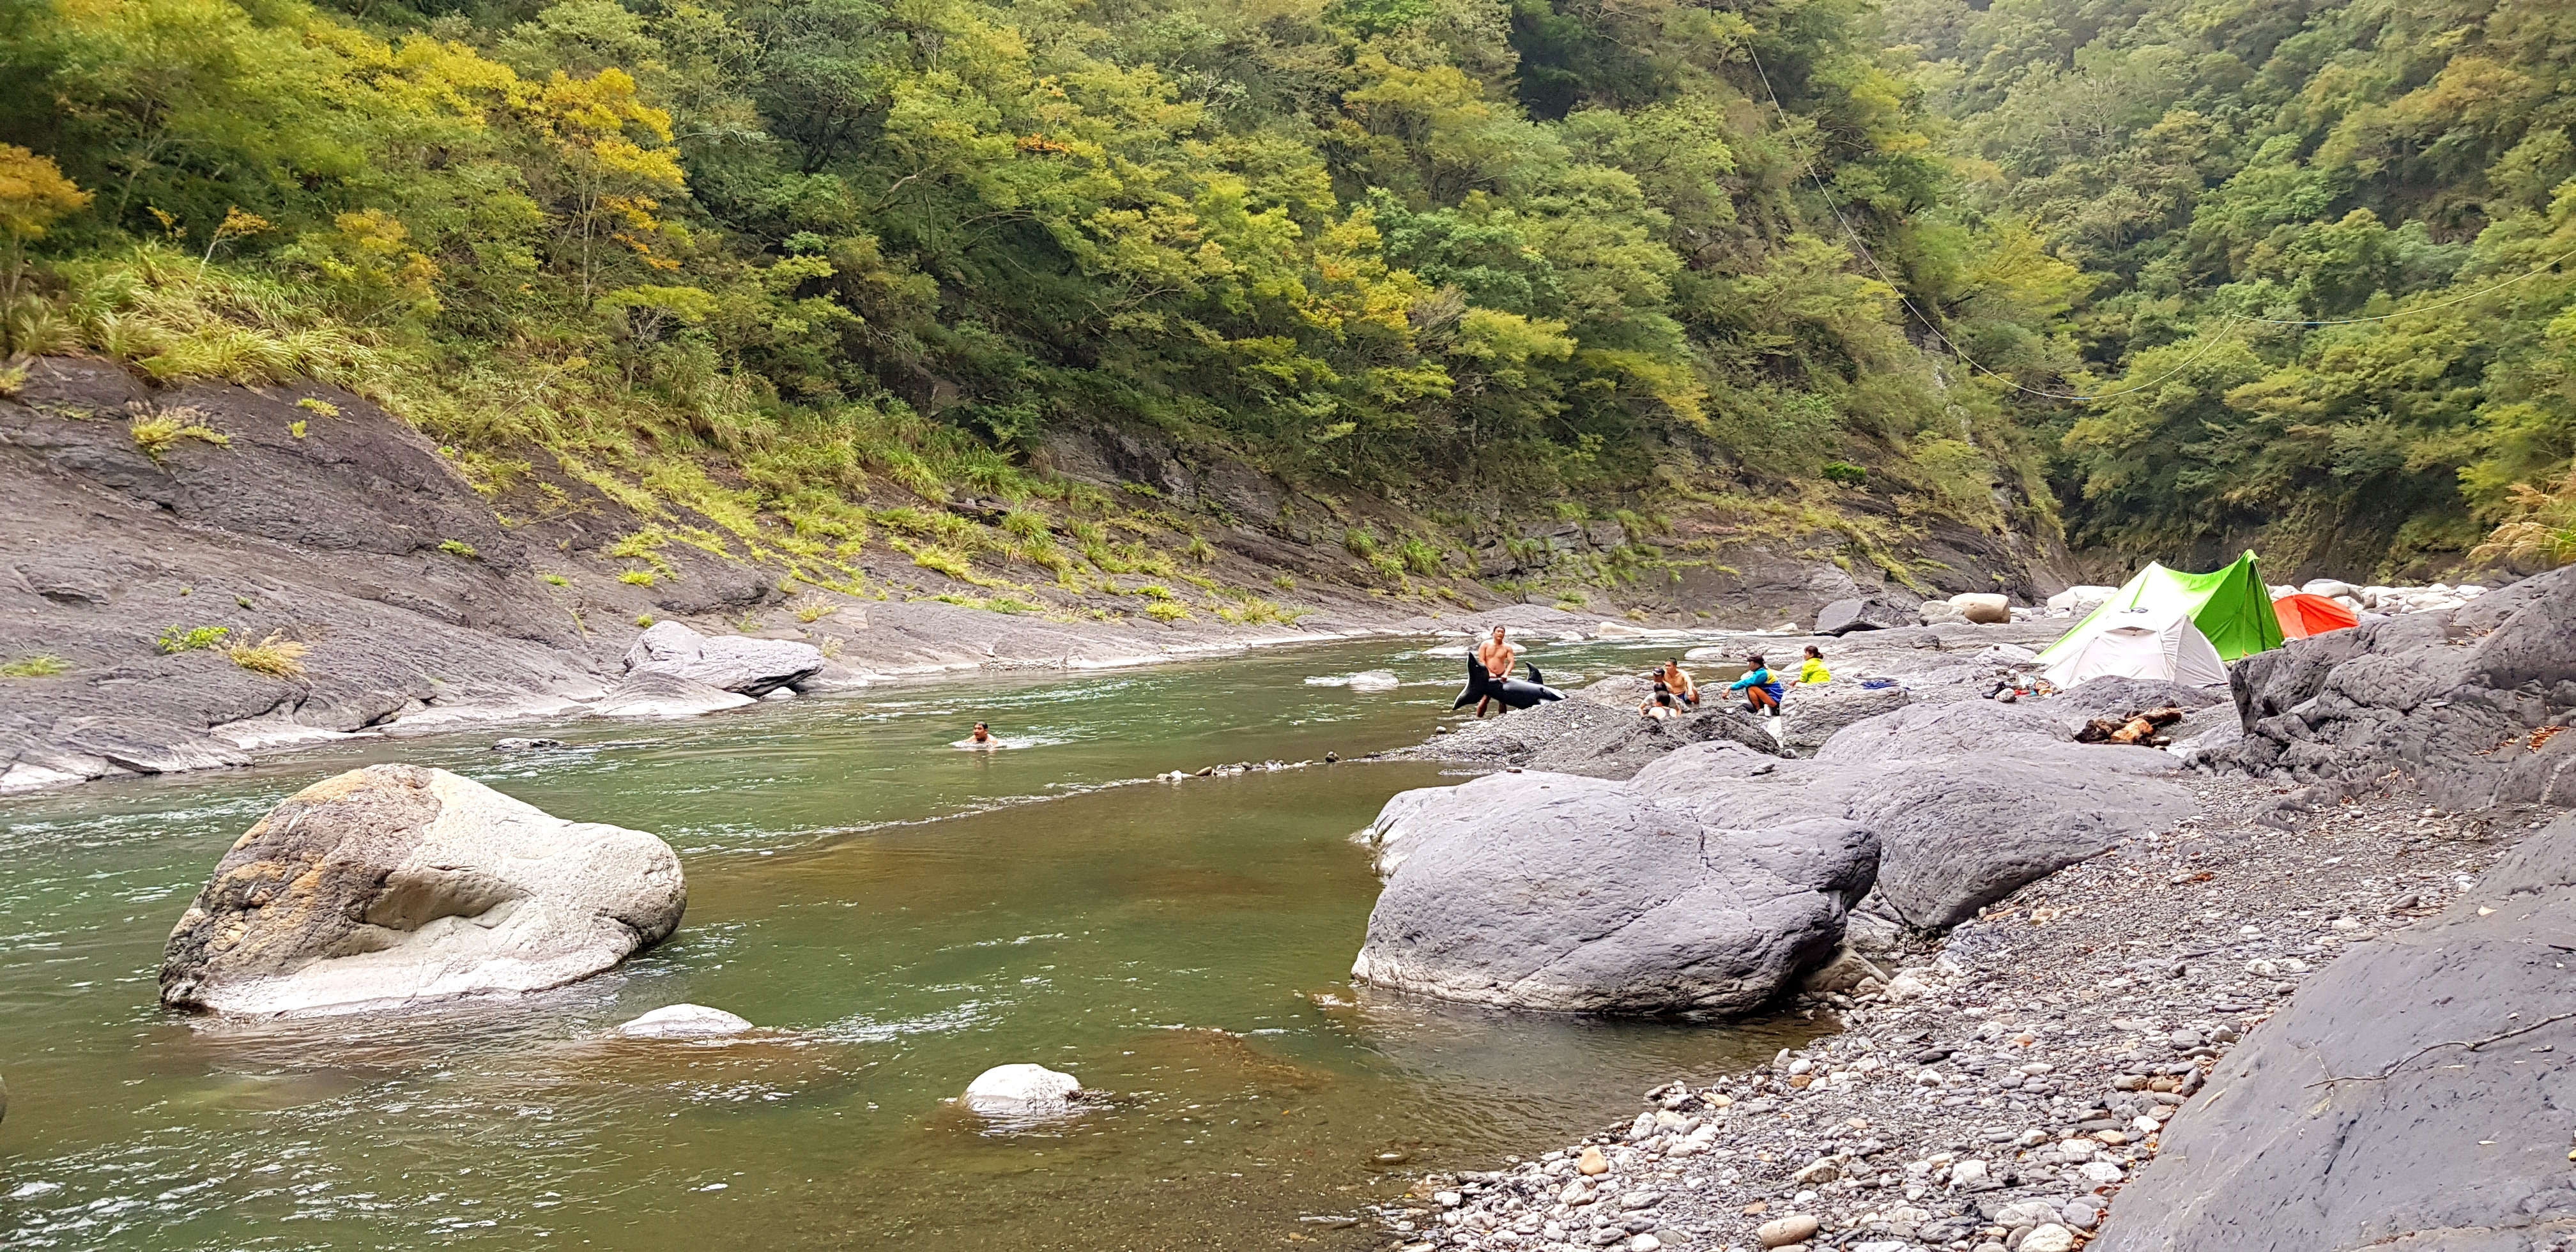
<point>655,693</point>
<point>1021,1091</point>
<point>1560,892</point>
<point>393,884</point>
<point>754,667</point>
<point>1842,617</point>
<point>684,1021</point>
<point>1984,608</point>
<point>1783,1231</point>
<point>2355,1118</point>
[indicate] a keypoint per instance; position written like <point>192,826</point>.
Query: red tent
<point>2303,615</point>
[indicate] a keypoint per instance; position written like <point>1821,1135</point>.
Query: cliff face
<point>158,538</point>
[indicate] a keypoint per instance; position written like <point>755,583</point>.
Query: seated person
<point>1760,686</point>
<point>1679,680</point>
<point>1813,669</point>
<point>1664,703</point>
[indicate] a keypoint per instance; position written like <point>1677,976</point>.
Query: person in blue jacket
<point>1760,686</point>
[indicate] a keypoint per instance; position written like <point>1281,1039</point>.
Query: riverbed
<point>901,914</point>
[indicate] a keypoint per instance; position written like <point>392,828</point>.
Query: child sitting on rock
<point>1813,670</point>
<point>1664,703</point>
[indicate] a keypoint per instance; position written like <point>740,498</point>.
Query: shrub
<point>1155,591</point>
<point>637,578</point>
<point>156,433</point>
<point>643,619</point>
<point>814,611</point>
<point>177,639</point>
<point>1284,582</point>
<point>1846,473</point>
<point>276,656</point>
<point>943,561</point>
<point>313,405</point>
<point>1360,542</point>
<point>1420,557</point>
<point>1200,550</point>
<point>1167,611</point>
<point>296,429</point>
<point>555,580</point>
<point>458,547</point>
<point>41,665</point>
<point>1026,525</point>
<point>1256,610</point>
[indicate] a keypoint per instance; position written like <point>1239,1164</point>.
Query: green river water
<point>904,915</point>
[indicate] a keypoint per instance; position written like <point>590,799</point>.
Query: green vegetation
<point>459,548</point>
<point>157,433</point>
<point>773,262</point>
<point>41,665</point>
<point>178,639</point>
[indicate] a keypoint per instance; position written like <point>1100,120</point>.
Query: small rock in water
<point>684,1021</point>
<point>526,745</point>
<point>1592,1162</point>
<point>1021,1091</point>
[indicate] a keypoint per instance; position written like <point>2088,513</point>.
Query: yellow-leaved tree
<point>33,195</point>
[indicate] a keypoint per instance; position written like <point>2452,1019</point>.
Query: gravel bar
<point>1997,1090</point>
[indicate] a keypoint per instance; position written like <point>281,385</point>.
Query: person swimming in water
<point>982,738</point>
<point>1497,657</point>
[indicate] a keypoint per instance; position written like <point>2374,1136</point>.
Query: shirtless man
<point>982,738</point>
<point>1679,680</point>
<point>1497,657</point>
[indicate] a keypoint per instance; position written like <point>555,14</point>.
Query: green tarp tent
<point>2232,606</point>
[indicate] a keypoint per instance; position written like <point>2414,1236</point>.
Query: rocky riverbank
<point>203,573</point>
<point>2368,819</point>
<point>2009,1079</point>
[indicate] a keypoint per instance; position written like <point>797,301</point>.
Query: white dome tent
<point>2144,642</point>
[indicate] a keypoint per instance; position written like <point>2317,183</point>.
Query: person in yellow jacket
<point>1813,670</point>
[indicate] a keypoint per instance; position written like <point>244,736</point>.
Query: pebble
<point>2049,1238</point>
<point>1592,1164</point>
<point>1780,1232</point>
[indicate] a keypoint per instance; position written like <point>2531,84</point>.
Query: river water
<point>902,913</point>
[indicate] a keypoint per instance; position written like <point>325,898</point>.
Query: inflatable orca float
<point>1514,693</point>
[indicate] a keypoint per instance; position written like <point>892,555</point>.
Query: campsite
<point>1367,625</point>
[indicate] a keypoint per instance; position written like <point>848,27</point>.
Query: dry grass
<point>276,656</point>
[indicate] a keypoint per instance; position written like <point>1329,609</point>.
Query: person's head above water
<point>981,733</point>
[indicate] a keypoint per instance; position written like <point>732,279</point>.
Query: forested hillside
<point>2250,188</point>
<point>790,263</point>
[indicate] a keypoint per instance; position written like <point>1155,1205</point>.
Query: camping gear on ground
<point>2306,613</point>
<point>2231,607</point>
<point>2149,642</point>
<point>2138,728</point>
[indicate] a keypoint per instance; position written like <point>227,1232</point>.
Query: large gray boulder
<point>1813,714</point>
<point>2450,698</point>
<point>1969,801</point>
<point>1558,892</point>
<point>1862,613</point>
<point>1596,733</point>
<point>659,693</point>
<point>394,884</point>
<point>2412,1096</point>
<point>753,667</point>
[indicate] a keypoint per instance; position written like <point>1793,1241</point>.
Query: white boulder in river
<point>684,1021</point>
<point>753,667</point>
<point>394,884</point>
<point>1021,1091</point>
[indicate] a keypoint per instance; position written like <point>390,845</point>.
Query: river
<point>902,913</point>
